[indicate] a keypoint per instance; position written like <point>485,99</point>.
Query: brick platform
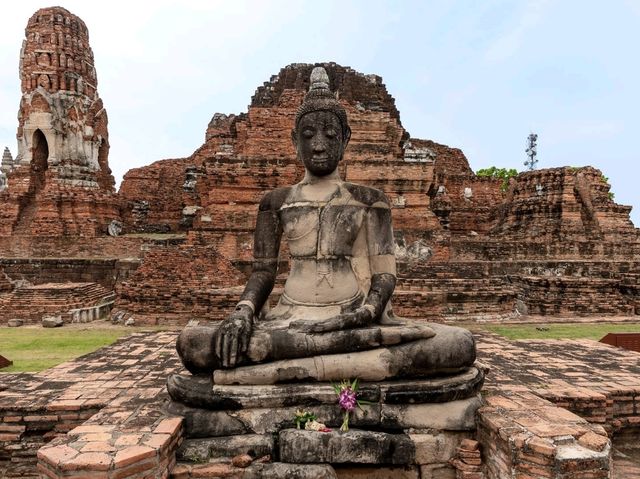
<point>91,412</point>
<point>115,395</point>
<point>596,381</point>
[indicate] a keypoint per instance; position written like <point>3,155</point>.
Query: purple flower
<point>347,399</point>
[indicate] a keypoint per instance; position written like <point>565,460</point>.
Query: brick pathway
<point>118,389</point>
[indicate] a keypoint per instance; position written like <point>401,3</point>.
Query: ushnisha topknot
<point>320,98</point>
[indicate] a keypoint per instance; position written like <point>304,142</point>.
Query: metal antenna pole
<point>532,151</point>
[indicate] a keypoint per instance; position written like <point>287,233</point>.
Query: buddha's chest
<point>321,230</point>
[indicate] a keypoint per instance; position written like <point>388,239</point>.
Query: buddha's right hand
<point>233,335</point>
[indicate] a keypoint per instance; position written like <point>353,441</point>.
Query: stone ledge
<point>351,447</point>
<point>451,416</point>
<point>274,470</point>
<point>409,391</point>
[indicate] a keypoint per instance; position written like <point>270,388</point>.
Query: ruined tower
<point>7,161</point>
<point>61,183</point>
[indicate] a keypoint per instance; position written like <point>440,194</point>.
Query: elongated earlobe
<point>294,139</point>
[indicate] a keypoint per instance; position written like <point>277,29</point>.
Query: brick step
<point>32,302</point>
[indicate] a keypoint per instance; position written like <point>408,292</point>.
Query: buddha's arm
<point>232,338</point>
<point>266,245</point>
<point>382,259</point>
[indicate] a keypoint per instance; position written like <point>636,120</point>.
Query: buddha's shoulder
<point>274,199</point>
<point>367,195</point>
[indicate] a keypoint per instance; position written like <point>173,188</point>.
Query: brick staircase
<point>22,226</point>
<point>32,302</point>
<point>5,283</point>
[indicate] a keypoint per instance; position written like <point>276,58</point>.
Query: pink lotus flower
<point>347,392</point>
<point>348,399</point>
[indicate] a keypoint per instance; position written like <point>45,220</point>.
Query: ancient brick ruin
<point>59,187</point>
<point>551,243</point>
<point>467,247</point>
<point>59,182</point>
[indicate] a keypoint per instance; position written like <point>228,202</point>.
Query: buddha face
<point>319,142</point>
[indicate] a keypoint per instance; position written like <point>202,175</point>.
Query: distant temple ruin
<point>60,181</point>
<point>550,242</point>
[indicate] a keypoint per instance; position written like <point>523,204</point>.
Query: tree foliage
<point>499,173</point>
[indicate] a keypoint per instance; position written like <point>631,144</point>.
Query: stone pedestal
<point>406,426</point>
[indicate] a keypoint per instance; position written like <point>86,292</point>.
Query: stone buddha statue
<point>334,318</point>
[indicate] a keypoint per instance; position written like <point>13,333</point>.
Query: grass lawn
<point>36,349</point>
<point>594,331</point>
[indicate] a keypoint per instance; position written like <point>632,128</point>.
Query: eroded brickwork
<point>192,280</point>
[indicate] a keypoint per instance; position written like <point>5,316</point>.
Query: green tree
<point>499,173</point>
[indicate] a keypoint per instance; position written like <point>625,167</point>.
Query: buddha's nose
<point>318,146</point>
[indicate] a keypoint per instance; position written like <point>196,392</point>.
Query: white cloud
<point>508,44</point>
<point>569,131</point>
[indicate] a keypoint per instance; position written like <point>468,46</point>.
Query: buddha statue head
<point>321,131</point>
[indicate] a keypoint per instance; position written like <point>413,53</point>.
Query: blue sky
<point>475,75</point>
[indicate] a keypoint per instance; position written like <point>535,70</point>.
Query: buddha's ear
<point>347,137</point>
<point>294,138</point>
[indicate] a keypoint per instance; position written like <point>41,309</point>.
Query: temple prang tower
<point>61,183</point>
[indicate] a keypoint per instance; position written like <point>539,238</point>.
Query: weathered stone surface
<point>52,322</point>
<point>201,450</point>
<point>378,472</point>
<point>261,421</point>
<point>449,388</point>
<point>353,446</point>
<point>204,423</point>
<point>437,447</point>
<point>451,416</point>
<point>280,470</point>
<point>15,323</point>
<point>229,397</point>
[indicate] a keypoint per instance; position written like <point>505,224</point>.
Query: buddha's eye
<point>307,134</point>
<point>331,133</point>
